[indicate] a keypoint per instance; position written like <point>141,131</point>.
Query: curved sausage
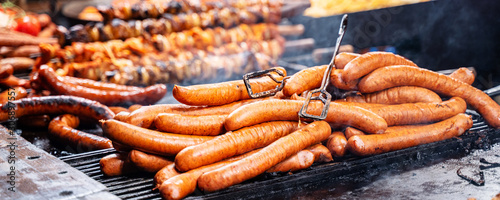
<point>222,93</point>
<point>190,125</point>
<point>368,62</point>
<point>6,71</point>
<point>18,63</point>
<point>418,113</point>
<point>397,138</point>
<point>13,81</point>
<point>164,174</point>
<point>343,58</point>
<point>337,81</point>
<point>98,85</point>
<point>310,78</point>
<point>150,141</point>
<point>147,95</point>
<point>301,160</point>
<point>321,153</point>
<point>337,143</point>
<point>118,109</point>
<point>397,95</point>
<point>350,131</point>
<point>306,79</point>
<point>400,75</point>
<point>63,128</point>
<point>179,186</point>
<point>232,143</point>
<point>266,158</point>
<point>463,74</point>
<point>275,110</point>
<point>148,162</point>
<point>116,164</point>
<point>55,105</point>
<point>34,122</point>
<point>12,94</point>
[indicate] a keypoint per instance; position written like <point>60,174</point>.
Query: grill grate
<point>139,186</point>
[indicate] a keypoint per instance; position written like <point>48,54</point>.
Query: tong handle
<point>324,96</point>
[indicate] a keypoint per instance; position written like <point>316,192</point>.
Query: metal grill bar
<point>139,186</point>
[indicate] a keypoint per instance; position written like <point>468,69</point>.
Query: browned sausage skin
<point>145,96</point>
<point>275,110</point>
<point>150,141</point>
<point>368,62</point>
<point>63,128</point>
<point>266,158</point>
<point>392,76</point>
<point>400,137</point>
<point>190,125</point>
<point>233,143</point>
<point>56,105</point>
<point>223,93</point>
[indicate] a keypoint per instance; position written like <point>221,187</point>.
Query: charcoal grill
<point>349,170</point>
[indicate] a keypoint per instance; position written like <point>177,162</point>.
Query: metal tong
<point>247,77</point>
<point>324,96</point>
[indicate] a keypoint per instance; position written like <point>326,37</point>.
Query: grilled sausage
<point>350,131</point>
<point>150,141</point>
<point>24,51</point>
<point>179,186</point>
<point>368,62</point>
<point>321,153</point>
<point>343,58</point>
<point>164,174</point>
<point>63,128</point>
<point>190,125</point>
<point>337,81</point>
<point>397,138</point>
<point>463,74</point>
<point>275,110</point>
<point>34,122</point>
<point>148,162</point>
<point>116,164</point>
<point>301,160</point>
<point>337,143</point>
<point>118,109</point>
<point>232,143</point>
<point>55,105</point>
<point>310,78</point>
<point>6,71</point>
<point>13,81</point>
<point>147,95</point>
<point>144,116</point>
<point>99,85</point>
<point>418,113</point>
<point>397,95</point>
<point>266,158</point>
<point>393,76</point>
<point>223,93</point>
<point>12,94</point>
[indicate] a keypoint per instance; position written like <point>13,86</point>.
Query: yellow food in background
<point>321,8</point>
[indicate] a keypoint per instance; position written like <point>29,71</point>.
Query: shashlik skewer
<point>196,65</point>
<point>147,9</point>
<point>120,29</point>
<point>171,44</point>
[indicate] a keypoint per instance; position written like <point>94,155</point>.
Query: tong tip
<point>343,24</point>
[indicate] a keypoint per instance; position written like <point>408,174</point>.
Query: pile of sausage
<point>219,136</point>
